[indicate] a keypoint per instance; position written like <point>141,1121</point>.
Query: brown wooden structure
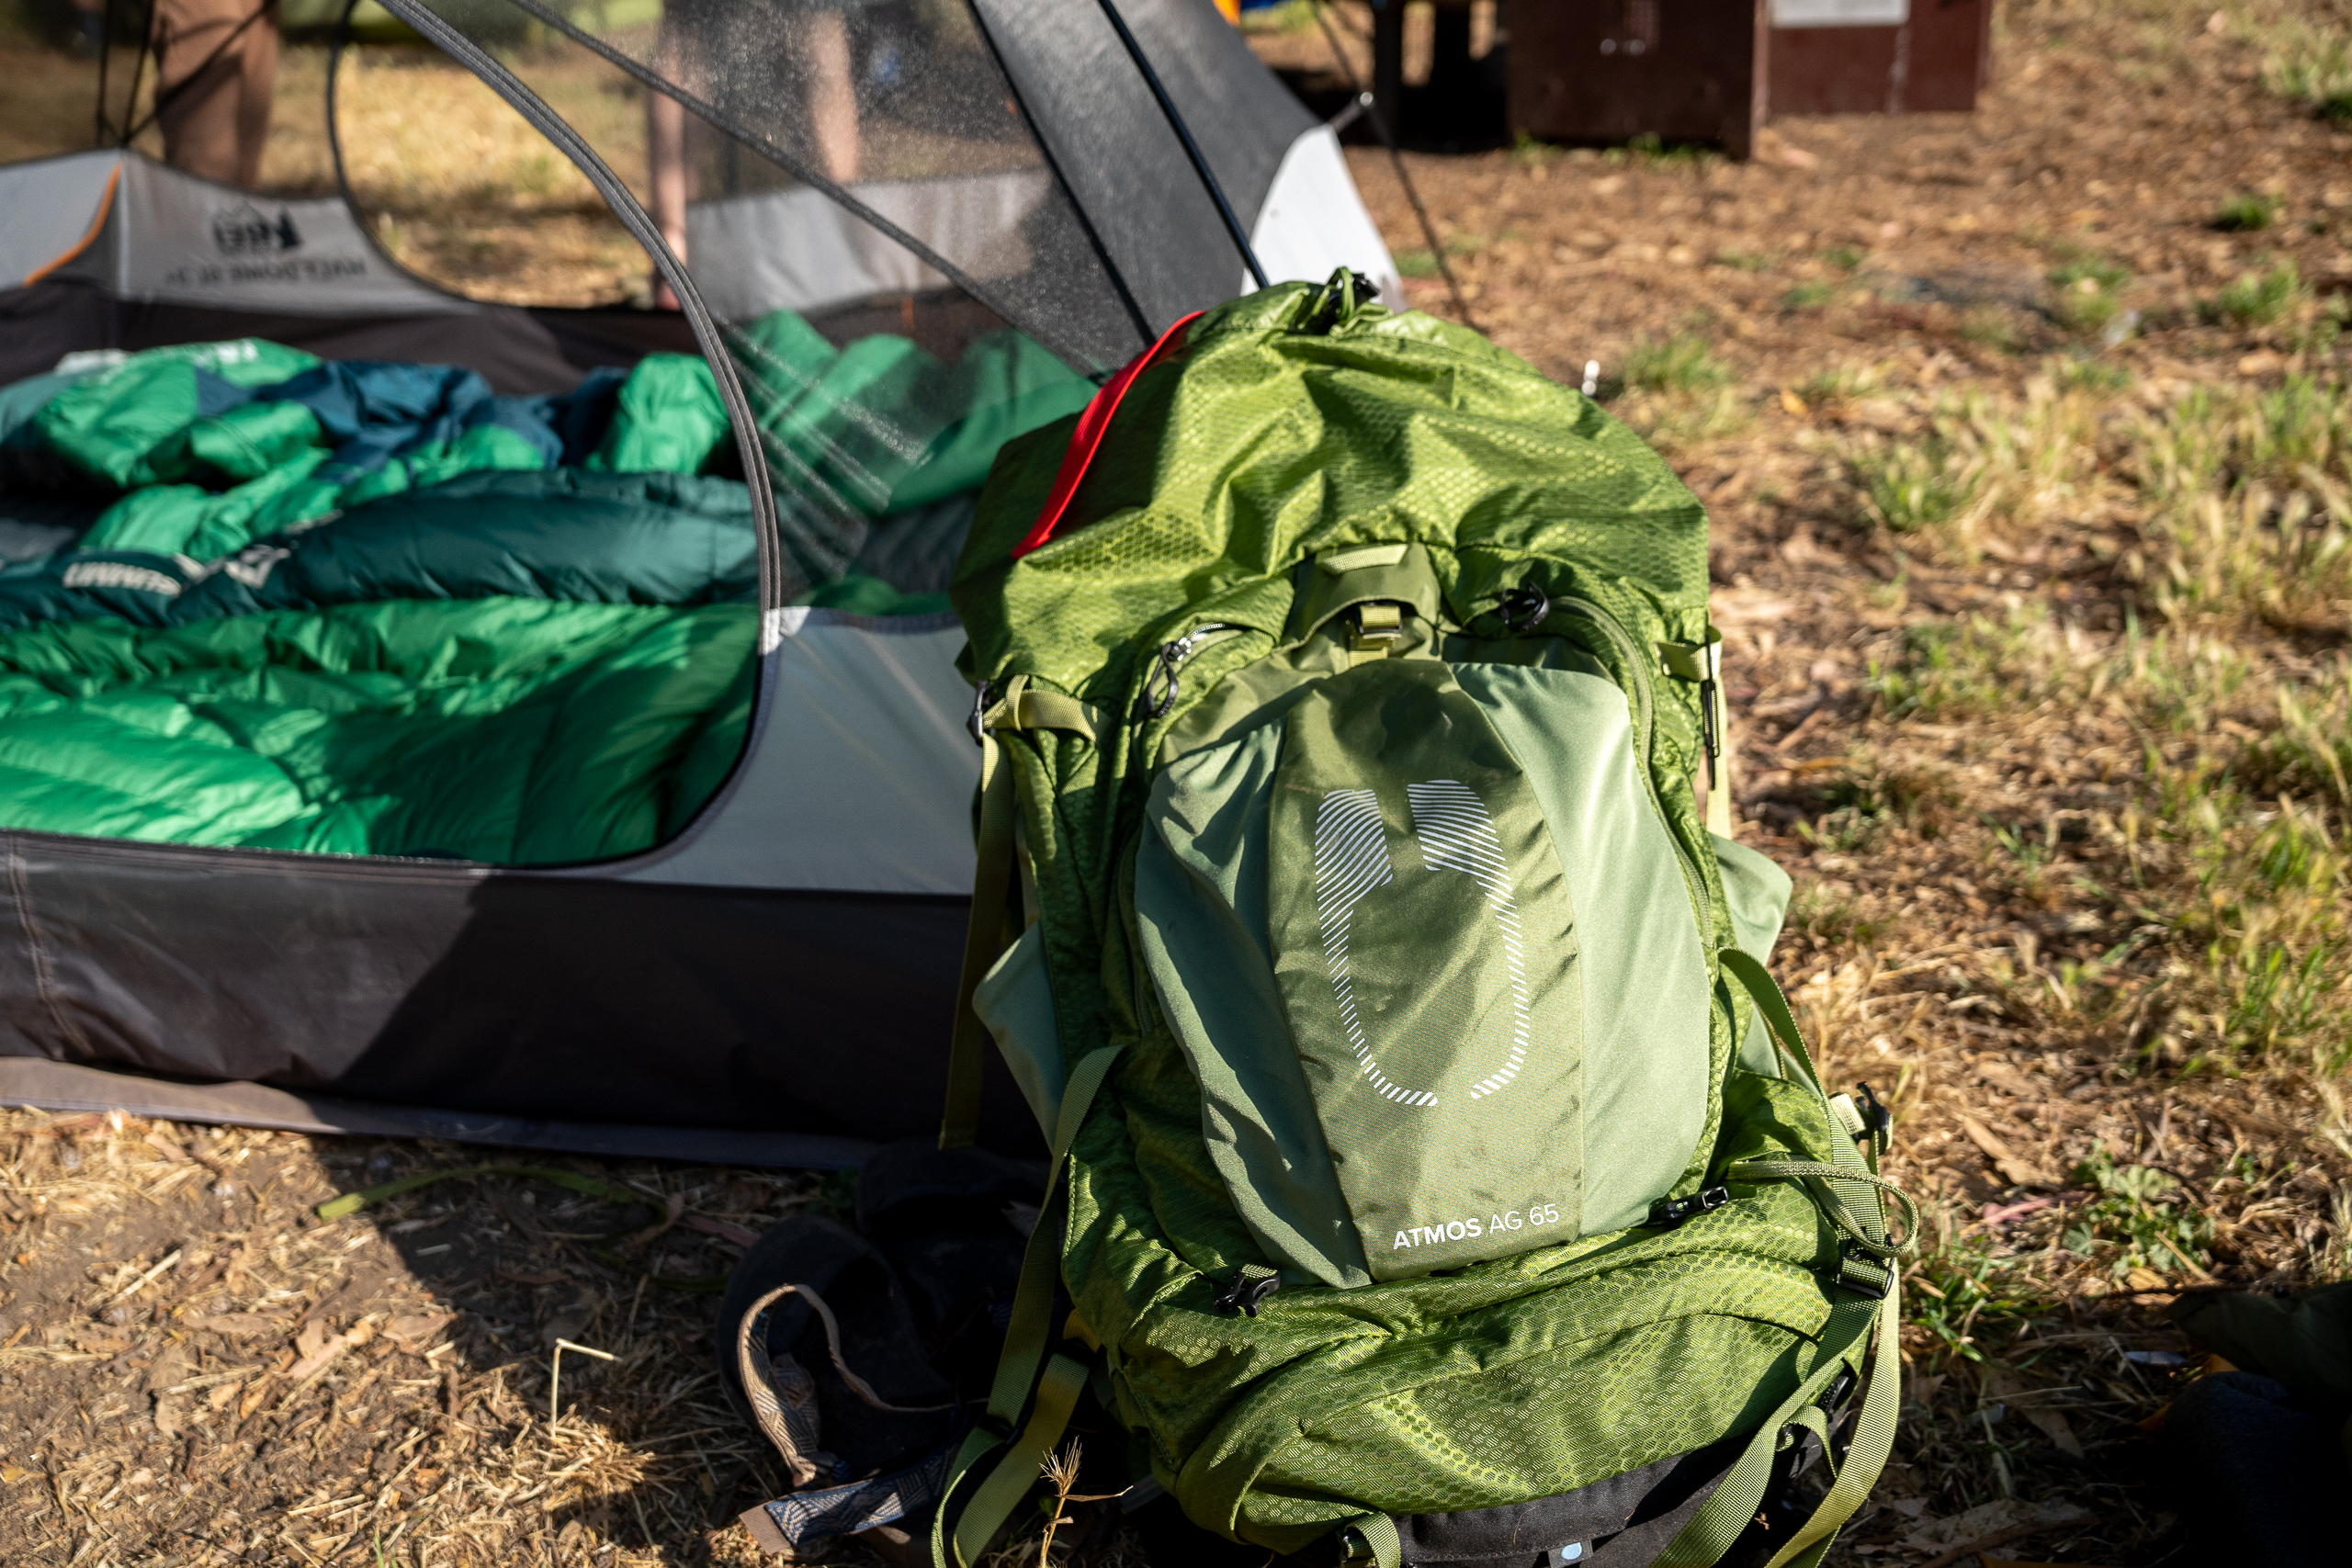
<point>1707,71</point>
<point>1611,69</point>
<point>1927,55</point>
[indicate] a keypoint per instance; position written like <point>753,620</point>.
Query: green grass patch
<point>1980,667</point>
<point>1682,363</point>
<point>2131,1223</point>
<point>2084,289</point>
<point>2309,65</point>
<point>2259,299</point>
<point>1907,486</point>
<point>1842,384</point>
<point>1962,1288</point>
<point>1807,297</point>
<point>2245,212</point>
<point>1993,327</point>
<point>1650,150</point>
<point>1531,152</point>
<point>2092,376</point>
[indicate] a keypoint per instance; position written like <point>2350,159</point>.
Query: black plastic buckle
<point>1243,1294</point>
<point>1668,1213</point>
<point>1850,1255</point>
<point>1833,1398</point>
<point>1877,1118</point>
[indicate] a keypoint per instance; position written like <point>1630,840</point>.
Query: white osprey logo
<point>1455,833</point>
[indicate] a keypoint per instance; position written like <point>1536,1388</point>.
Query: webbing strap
<point>1027,1336</point>
<point>1871,1231</point>
<point>1015,1472</point>
<point>1719,792</point>
<point>1846,1193</point>
<point>1866,1456</point>
<point>1725,1515</point>
<point>1765,992</point>
<point>1379,1536</point>
<point>984,933</point>
<point>1031,708</point>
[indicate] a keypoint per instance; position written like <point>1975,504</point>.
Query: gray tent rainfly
<point>769,975</point>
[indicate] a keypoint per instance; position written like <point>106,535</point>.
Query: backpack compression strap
<point>1093,424</point>
<point>1018,1370</point>
<point>993,923</point>
<point>1869,1299</point>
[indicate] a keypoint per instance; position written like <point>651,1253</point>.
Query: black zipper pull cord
<point>1668,1213</point>
<point>1251,1284</point>
<point>1709,741</point>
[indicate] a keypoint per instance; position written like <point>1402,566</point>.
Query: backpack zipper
<point>1645,700</point>
<point>1172,657</point>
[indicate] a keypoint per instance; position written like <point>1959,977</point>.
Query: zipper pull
<point>1251,1283</point>
<point>1668,1213</point>
<point>1170,660</point>
<point>1707,736</point>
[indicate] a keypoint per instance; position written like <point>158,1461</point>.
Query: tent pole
<point>1184,134</point>
<point>106,48</point>
<point>1388,139</point>
<point>138,74</point>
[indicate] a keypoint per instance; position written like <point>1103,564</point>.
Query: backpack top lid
<point>1303,420</point>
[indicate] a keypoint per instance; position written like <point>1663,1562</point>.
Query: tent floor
<point>40,1084</point>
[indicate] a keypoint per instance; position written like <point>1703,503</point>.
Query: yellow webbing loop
<point>1025,1336</point>
<point>1029,709</point>
<point>1018,1470</point>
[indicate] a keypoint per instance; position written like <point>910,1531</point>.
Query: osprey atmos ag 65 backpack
<point>1438,1174</point>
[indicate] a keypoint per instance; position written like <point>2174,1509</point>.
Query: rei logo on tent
<point>246,231</point>
<point>1455,833</point>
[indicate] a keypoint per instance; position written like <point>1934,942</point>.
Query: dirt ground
<point>2026,441</point>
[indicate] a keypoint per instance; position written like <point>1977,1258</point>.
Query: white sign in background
<point>1840,13</point>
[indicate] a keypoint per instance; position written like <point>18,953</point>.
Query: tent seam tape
<point>89,238</point>
<point>44,980</point>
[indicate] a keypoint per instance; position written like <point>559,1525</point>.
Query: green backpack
<point>1436,1173</point>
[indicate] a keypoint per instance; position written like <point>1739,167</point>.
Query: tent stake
<point>1388,140</point>
<point>1184,134</point>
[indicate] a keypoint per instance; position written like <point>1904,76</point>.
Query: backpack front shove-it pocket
<point>1372,925</point>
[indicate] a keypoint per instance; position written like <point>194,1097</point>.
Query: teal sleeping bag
<point>363,608</point>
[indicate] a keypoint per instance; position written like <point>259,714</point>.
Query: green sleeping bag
<point>519,732</point>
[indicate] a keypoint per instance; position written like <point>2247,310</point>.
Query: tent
<point>769,976</point>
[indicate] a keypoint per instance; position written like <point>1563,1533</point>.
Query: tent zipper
<point>1646,718</point>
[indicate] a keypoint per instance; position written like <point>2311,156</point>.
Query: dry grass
<point>198,1371</point>
<point>459,187</point>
